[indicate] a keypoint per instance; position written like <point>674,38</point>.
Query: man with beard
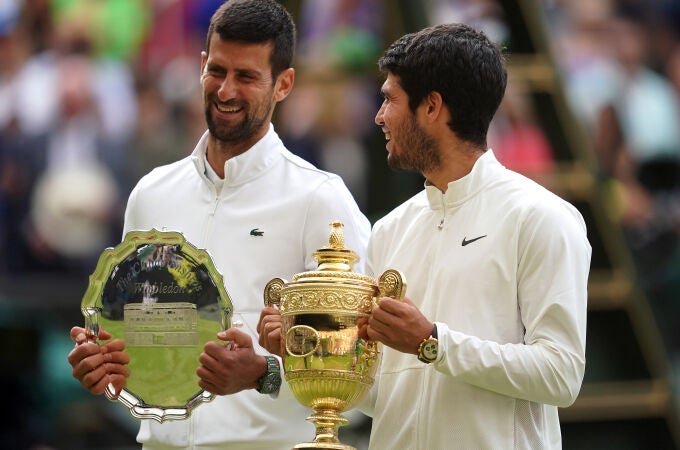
<point>490,340</point>
<point>492,337</point>
<point>260,212</point>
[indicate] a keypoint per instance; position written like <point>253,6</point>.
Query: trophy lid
<point>335,256</point>
<point>335,260</point>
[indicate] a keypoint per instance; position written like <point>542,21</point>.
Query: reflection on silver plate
<point>165,299</point>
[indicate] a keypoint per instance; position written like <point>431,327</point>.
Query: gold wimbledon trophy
<point>328,367</point>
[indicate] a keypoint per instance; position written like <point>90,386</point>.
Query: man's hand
<point>269,330</point>
<point>399,324</point>
<point>227,369</point>
<point>95,366</point>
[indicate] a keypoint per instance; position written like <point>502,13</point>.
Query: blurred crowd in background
<point>95,93</point>
<point>620,61</point>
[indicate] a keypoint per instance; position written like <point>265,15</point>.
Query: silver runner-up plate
<point>166,300</point>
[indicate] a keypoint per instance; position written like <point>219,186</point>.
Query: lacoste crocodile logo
<point>466,241</point>
<point>256,232</point>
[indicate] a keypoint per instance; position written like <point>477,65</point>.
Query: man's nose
<point>227,88</point>
<point>379,116</point>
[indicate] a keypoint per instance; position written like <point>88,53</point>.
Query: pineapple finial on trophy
<point>337,237</point>
<point>335,256</point>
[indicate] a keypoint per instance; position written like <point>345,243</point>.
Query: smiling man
<point>260,211</point>
<point>491,339</point>
<point>240,90</point>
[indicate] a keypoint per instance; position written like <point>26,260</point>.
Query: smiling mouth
<point>227,109</point>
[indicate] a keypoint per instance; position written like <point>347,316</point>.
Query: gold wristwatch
<point>427,350</point>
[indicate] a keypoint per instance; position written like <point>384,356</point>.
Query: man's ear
<point>204,59</point>
<point>284,84</point>
<point>433,103</point>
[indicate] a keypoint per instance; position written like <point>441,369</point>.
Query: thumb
<point>236,336</point>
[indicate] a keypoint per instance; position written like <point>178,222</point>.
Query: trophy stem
<point>327,423</point>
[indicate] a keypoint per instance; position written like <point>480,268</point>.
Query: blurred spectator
<point>629,99</point>
<point>517,140</point>
<point>639,139</point>
<point>116,28</point>
<point>66,125</point>
<point>484,15</point>
<point>645,101</point>
<point>340,35</point>
<point>327,118</point>
<point>579,30</point>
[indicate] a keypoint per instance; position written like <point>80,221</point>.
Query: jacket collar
<point>485,170</point>
<point>246,166</point>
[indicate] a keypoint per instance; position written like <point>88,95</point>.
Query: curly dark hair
<point>257,21</point>
<point>459,62</point>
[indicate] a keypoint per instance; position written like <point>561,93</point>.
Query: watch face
<point>270,383</point>
<point>430,350</point>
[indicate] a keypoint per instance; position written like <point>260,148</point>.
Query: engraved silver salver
<point>166,300</point>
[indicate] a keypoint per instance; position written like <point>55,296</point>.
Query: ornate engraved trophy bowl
<point>327,365</point>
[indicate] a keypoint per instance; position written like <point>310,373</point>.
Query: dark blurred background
<point>94,93</point>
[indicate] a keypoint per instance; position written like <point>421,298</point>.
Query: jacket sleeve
<point>548,367</point>
<point>130,220</point>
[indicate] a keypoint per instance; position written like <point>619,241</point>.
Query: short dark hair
<point>257,21</point>
<point>462,64</point>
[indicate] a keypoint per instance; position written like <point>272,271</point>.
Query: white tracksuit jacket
<point>290,204</point>
<point>500,264</point>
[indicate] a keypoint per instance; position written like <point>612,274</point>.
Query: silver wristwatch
<point>270,382</point>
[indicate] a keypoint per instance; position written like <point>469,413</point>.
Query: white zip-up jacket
<point>272,213</point>
<point>500,264</point>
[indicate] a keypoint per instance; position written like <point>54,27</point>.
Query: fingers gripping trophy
<point>328,366</point>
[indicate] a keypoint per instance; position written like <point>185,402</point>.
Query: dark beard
<point>419,151</point>
<point>248,127</point>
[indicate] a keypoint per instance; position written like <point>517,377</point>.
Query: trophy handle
<point>302,341</point>
<point>91,316</point>
<point>272,292</point>
<point>392,283</point>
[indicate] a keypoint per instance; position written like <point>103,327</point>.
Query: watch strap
<point>270,381</point>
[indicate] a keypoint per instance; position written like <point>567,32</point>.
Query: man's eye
<point>214,71</point>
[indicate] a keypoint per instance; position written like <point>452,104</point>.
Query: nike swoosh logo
<point>466,241</point>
